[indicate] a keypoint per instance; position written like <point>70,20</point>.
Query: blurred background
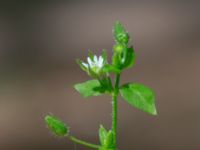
<point>39,42</point>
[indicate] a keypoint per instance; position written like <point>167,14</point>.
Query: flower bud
<point>120,34</point>
<point>56,126</point>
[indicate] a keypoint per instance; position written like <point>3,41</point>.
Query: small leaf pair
<point>136,95</point>
<point>106,139</point>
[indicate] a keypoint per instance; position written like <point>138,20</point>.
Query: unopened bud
<point>56,126</point>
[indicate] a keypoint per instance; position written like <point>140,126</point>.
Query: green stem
<point>117,81</point>
<point>114,109</point>
<point>74,139</point>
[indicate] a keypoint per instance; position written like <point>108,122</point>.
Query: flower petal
<point>95,59</point>
<point>89,61</point>
<point>100,63</point>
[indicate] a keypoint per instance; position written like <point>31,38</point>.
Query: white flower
<point>95,65</point>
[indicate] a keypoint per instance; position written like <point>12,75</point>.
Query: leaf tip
<point>155,113</point>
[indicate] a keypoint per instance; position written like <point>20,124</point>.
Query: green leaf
<point>106,138</point>
<point>56,126</point>
<point>139,96</point>
<point>102,134</point>
<point>90,88</point>
<point>109,140</point>
<point>120,34</point>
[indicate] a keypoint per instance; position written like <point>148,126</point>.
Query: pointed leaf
<point>89,88</point>
<point>139,96</point>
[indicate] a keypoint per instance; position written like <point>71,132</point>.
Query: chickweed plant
<point>99,69</point>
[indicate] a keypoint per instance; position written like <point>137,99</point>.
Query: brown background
<point>39,42</point>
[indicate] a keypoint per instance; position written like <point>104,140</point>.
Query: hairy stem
<point>114,109</point>
<point>74,139</point>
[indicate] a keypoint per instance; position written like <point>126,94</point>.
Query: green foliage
<point>99,68</point>
<point>102,134</point>
<point>111,69</point>
<point>124,56</point>
<point>139,96</point>
<point>109,141</point>
<point>56,126</point>
<point>89,88</point>
<point>106,138</point>
<point>128,58</point>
